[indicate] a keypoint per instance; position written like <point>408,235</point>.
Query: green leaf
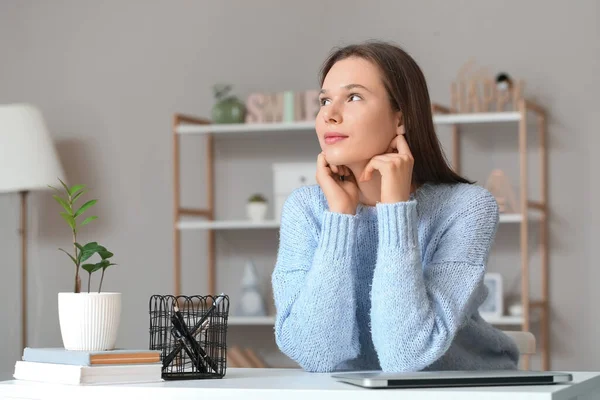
<point>63,203</point>
<point>89,250</point>
<point>91,245</point>
<point>85,255</point>
<point>85,207</point>
<point>64,185</point>
<point>75,189</point>
<point>109,265</point>
<point>105,254</point>
<point>69,218</point>
<point>91,268</point>
<point>52,187</point>
<point>88,220</point>
<point>103,264</point>
<point>80,247</point>
<point>67,253</point>
<point>78,195</point>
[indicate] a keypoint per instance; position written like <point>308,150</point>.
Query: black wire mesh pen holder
<point>202,355</point>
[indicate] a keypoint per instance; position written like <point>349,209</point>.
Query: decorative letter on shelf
<point>478,91</point>
<point>285,106</point>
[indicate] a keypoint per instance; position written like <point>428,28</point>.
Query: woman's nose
<point>333,114</point>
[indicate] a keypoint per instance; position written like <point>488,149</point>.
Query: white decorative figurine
<point>251,301</point>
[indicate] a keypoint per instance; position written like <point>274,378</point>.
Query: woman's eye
<point>354,97</point>
<point>324,102</point>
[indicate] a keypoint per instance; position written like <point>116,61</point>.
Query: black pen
<point>182,343</point>
<point>181,327</point>
<point>209,311</point>
<point>178,347</point>
<point>204,322</point>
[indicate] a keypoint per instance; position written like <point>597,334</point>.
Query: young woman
<point>381,265</point>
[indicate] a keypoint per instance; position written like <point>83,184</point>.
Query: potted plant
<point>256,209</point>
<point>89,320</point>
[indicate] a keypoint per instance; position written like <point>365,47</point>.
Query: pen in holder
<point>191,334</point>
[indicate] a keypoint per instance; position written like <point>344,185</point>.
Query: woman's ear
<point>400,125</point>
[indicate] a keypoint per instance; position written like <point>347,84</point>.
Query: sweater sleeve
<point>417,310</point>
<point>313,287</point>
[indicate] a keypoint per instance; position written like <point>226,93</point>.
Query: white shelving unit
<point>531,212</point>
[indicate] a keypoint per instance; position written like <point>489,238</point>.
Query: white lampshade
<point>28,159</point>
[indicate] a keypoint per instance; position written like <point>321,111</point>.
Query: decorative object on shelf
<point>499,186</point>
<point>289,109</point>
<point>515,309</point>
<point>256,208</point>
<point>228,109</point>
<point>191,333</point>
<point>252,303</point>
<point>289,176</point>
<point>285,106</point>
<point>88,321</point>
<point>478,91</point>
<point>493,306</point>
<point>28,161</point>
<point>311,105</point>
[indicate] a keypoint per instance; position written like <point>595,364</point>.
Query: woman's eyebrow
<point>349,87</point>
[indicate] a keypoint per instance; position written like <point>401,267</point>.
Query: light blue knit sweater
<point>395,287</point>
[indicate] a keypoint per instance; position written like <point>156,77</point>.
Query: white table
<point>291,384</point>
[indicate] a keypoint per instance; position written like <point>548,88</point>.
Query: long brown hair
<point>407,90</point>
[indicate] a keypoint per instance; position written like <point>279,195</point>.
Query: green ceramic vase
<point>227,109</point>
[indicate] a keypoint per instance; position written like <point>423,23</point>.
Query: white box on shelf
<point>289,176</point>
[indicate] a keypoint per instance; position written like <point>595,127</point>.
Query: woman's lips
<point>331,138</point>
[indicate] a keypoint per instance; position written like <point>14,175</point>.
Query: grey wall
<point>109,75</point>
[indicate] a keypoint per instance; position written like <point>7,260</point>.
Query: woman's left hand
<point>395,169</point>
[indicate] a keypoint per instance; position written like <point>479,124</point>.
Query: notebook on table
<point>377,379</point>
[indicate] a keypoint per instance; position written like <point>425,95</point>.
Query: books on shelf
<point>57,365</point>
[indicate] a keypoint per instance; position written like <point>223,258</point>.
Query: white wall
<point>109,75</point>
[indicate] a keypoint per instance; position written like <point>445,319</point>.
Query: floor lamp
<point>28,162</point>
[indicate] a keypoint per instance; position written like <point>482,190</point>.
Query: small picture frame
<point>492,306</point>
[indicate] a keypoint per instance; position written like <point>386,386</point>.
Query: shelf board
<point>190,129</point>
<point>472,118</point>
<point>192,223</point>
<point>518,218</point>
<point>270,320</point>
<point>505,320</point>
<point>200,224</point>
<point>440,119</point>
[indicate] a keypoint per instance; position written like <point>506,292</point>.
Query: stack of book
<point>244,358</point>
<point>57,365</point>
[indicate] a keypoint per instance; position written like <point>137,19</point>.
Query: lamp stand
<point>23,232</point>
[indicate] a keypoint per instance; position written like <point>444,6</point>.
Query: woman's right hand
<point>339,185</point>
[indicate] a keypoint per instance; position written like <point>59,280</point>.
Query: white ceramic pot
<point>89,321</point>
<point>257,211</point>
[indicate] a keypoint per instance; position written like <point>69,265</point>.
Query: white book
<point>84,375</point>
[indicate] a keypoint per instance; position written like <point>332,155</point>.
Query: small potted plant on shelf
<point>89,321</point>
<point>256,208</point>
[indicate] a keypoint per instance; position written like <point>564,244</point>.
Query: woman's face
<point>356,121</point>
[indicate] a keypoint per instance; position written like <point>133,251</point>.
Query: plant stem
<point>89,282</point>
<point>77,281</point>
<point>101,279</point>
